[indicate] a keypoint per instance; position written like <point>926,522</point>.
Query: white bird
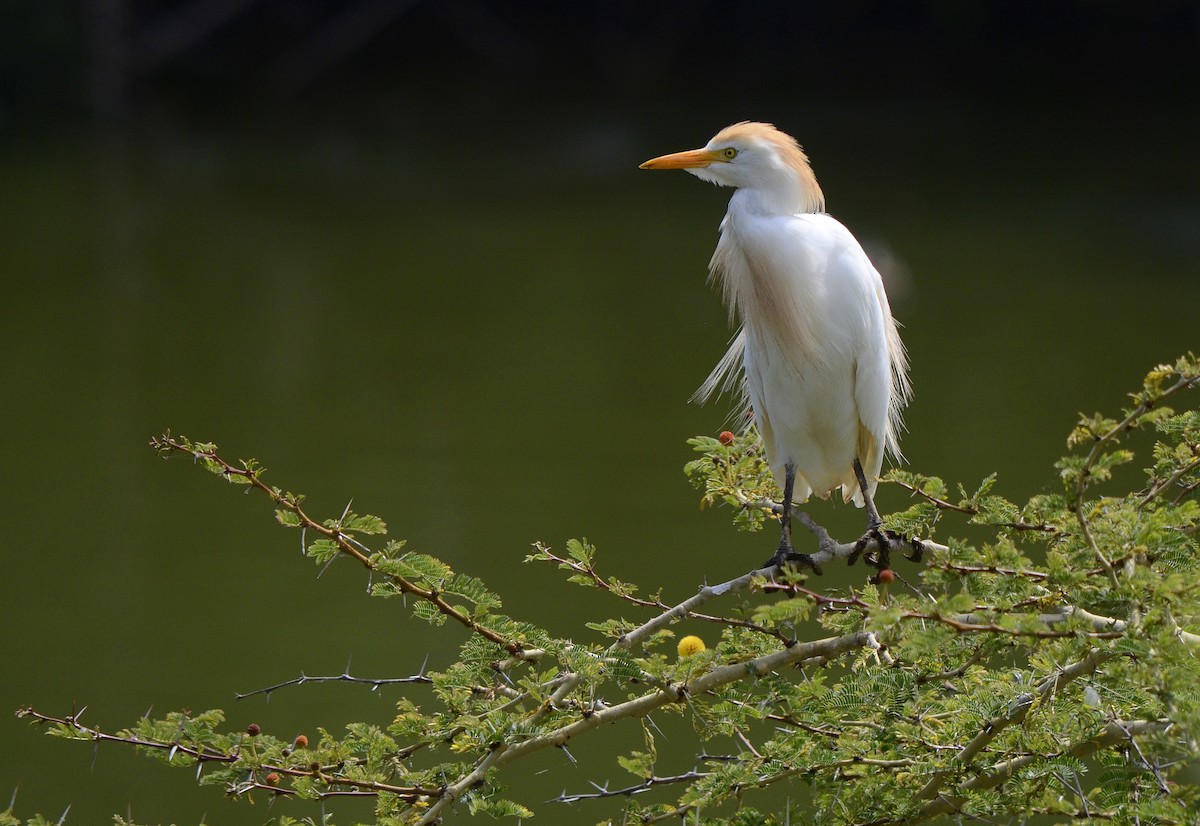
<point>818,352</point>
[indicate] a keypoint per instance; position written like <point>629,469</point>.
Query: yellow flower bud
<point>690,645</point>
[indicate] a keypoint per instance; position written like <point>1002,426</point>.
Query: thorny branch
<point>345,541</point>
<point>582,717</point>
<point>970,510</point>
<point>329,775</point>
<point>1102,441</point>
<point>834,550</point>
<point>646,785</point>
<point>345,677</point>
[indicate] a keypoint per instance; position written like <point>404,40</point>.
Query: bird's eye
<point>729,153</point>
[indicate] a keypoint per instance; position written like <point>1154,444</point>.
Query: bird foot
<point>786,556</point>
<point>918,550</point>
<point>880,556</point>
<point>877,557</point>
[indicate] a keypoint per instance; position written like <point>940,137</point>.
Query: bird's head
<point>755,156</point>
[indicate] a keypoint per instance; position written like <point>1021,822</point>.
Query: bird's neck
<point>787,194</point>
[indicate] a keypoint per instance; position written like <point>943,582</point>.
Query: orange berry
<point>726,437</point>
<point>301,741</point>
<point>273,778</point>
<point>886,575</point>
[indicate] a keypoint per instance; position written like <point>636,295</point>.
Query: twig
<point>657,604</point>
<point>955,672</point>
<point>629,791</point>
<point>1170,481</point>
<point>374,682</point>
<point>1017,709</point>
<point>1036,576</point>
<point>1101,440</point>
<point>1113,734</point>
<point>345,542</point>
<point>202,754</point>
<point>970,510</point>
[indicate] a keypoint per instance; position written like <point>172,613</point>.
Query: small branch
<point>942,504</point>
<point>1170,481</point>
<point>900,763</point>
<point>1017,709</point>
<point>1101,441</point>
<point>1086,530</point>
<point>658,604</point>
<point>1114,733</point>
<point>954,673</point>
<point>329,777</point>
<point>345,542</point>
<point>1036,576</point>
<point>476,776</point>
<point>629,791</point>
<point>963,623</point>
<point>374,682</point>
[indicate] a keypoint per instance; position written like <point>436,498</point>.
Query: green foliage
<point>1046,665</point>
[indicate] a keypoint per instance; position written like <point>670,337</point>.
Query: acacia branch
<point>1172,480</point>
<point>1102,440</point>
<point>971,510</point>
<point>345,677</point>
<point>345,541</point>
<point>504,753</point>
<point>1114,733</point>
<point>829,551</point>
<point>1015,713</point>
<point>203,754</point>
<point>629,791</point>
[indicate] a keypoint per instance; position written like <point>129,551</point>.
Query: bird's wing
<point>881,387</point>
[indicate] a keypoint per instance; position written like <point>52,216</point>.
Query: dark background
<point>401,252</point>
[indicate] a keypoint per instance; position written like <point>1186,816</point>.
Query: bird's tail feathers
<point>901,392</point>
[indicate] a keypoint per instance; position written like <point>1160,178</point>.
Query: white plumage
<point>823,365</point>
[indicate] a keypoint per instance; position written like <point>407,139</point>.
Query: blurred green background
<point>401,252</point>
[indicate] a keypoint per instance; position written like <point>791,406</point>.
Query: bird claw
<point>787,556</point>
<point>918,550</point>
<point>794,560</point>
<point>881,557</point>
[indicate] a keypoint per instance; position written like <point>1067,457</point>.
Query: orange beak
<point>692,159</point>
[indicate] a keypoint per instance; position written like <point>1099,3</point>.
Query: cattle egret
<point>818,354</point>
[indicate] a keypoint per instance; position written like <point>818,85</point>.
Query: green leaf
<point>287,518</point>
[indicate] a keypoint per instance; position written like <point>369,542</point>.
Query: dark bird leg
<point>786,554</point>
<point>874,522</point>
<point>873,532</point>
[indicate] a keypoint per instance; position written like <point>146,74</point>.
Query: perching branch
<point>835,550</point>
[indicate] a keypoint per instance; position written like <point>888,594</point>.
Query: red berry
<point>254,729</point>
<point>887,575</point>
<point>273,779</point>
<point>726,437</point>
